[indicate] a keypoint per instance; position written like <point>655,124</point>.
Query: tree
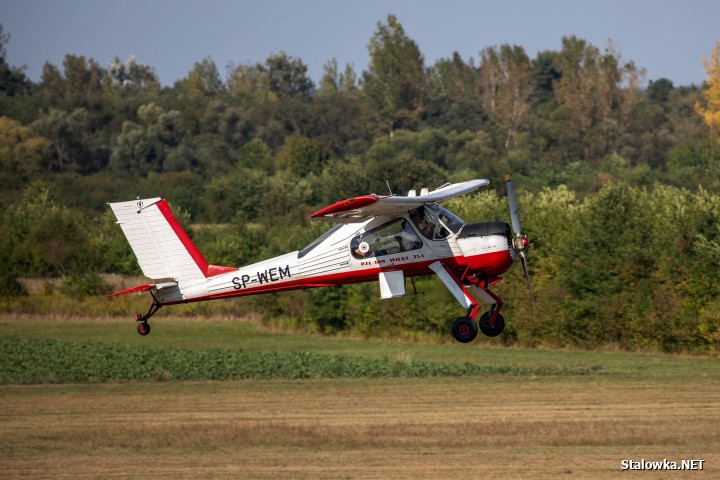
<point>545,73</point>
<point>69,136</point>
<point>4,39</point>
<point>282,76</point>
<point>593,102</point>
<point>451,99</point>
<point>287,76</point>
<point>22,151</point>
<point>506,85</point>
<point>12,79</point>
<point>452,78</point>
<point>81,79</point>
<point>659,91</point>
<point>335,81</point>
<point>248,80</point>
<point>395,80</point>
<point>302,156</point>
<point>142,148</point>
<point>133,75</point>
<point>203,80</point>
<point>710,112</point>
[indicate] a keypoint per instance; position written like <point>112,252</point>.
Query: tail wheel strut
<point>143,327</point>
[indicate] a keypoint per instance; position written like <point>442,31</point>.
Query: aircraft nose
<point>487,247</point>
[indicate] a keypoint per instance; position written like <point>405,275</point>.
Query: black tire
<point>494,330</point>
<point>143,328</point>
<point>464,329</point>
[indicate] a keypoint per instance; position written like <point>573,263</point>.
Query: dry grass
<point>446,428</point>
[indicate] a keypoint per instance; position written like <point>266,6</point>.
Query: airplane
<point>384,238</point>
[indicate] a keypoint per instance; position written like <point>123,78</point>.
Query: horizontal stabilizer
<point>145,288</point>
<point>141,288</point>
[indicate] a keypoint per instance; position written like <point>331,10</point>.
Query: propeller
<point>520,241</point>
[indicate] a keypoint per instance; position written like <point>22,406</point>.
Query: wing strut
<point>453,284</point>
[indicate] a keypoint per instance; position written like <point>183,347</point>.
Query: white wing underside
<point>398,205</point>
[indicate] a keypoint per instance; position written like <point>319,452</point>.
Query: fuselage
<point>360,252</point>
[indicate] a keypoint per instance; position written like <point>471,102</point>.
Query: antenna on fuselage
<point>390,189</point>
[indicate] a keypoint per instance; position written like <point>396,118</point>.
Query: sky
<point>669,39</point>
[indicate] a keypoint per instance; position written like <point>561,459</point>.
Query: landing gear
<point>464,329</point>
<point>490,328</point>
<point>143,327</point>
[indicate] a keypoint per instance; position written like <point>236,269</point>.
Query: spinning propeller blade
<point>520,241</point>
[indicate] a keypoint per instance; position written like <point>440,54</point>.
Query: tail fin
<point>161,246</point>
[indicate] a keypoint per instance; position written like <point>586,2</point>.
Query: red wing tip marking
<point>141,288</point>
<point>346,205</point>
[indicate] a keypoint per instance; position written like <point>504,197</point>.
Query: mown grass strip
<point>28,361</point>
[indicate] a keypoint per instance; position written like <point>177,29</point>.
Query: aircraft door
<point>386,243</point>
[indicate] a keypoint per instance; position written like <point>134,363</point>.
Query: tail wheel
<point>491,330</point>
<point>464,329</point>
<point>143,328</point>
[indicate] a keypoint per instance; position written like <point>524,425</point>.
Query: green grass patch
<point>251,336</point>
<point>53,361</point>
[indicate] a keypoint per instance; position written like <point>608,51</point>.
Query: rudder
<point>162,248</point>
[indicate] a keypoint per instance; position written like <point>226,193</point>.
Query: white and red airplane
<point>375,238</point>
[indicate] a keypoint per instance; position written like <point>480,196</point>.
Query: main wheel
<point>464,329</point>
<point>143,328</point>
<point>494,330</point>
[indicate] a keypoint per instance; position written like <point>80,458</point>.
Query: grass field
<point>624,406</point>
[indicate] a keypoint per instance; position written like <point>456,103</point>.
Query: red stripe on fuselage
<point>493,264</point>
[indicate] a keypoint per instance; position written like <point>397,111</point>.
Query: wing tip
<point>346,205</point>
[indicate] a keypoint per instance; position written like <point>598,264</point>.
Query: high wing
<point>359,209</point>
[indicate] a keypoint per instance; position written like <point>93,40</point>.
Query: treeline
<point>620,180</point>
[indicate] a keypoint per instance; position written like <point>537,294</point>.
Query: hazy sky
<point>667,38</point>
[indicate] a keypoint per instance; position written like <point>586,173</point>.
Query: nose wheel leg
<point>491,323</point>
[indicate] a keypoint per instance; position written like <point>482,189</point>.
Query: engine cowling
<point>487,247</point>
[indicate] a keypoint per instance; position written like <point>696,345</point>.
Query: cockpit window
<point>319,240</point>
<point>387,239</point>
<point>434,222</point>
<point>451,221</point>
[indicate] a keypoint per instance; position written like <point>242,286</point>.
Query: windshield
<point>434,222</point>
<point>452,221</point>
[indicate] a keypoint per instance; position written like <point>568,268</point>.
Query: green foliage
<point>695,164</point>
<point>43,237</point>
<point>302,156</point>
<point>53,361</point>
<point>79,284</point>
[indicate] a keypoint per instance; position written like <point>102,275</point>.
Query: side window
<point>393,237</point>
